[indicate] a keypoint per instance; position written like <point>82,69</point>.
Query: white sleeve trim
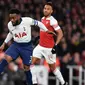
<point>58,27</point>
<point>8,38</point>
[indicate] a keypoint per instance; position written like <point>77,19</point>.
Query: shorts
<point>40,52</point>
<point>24,50</point>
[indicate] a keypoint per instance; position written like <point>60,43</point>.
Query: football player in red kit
<point>47,46</point>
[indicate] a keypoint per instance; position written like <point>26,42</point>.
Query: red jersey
<point>47,40</point>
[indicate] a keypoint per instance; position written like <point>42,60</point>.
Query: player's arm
<point>8,38</point>
<point>58,31</point>
<point>42,26</point>
<point>58,39</point>
<point>59,35</point>
<point>38,23</point>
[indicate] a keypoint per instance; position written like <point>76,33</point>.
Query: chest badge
<point>47,22</point>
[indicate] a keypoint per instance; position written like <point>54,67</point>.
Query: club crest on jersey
<point>47,22</point>
<point>20,35</point>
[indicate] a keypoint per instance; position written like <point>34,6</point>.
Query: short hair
<point>49,3</point>
<point>14,11</point>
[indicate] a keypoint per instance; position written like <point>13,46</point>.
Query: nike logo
<point>13,29</point>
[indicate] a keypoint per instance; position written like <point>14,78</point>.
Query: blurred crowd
<point>70,15</point>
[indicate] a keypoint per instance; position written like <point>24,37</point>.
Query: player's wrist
<point>56,44</point>
<point>5,42</point>
<point>54,49</point>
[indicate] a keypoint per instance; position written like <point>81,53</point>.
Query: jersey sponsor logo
<point>20,35</point>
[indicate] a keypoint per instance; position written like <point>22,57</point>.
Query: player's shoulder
<point>53,21</point>
<point>10,24</point>
<point>26,18</point>
<point>42,17</point>
<point>52,18</point>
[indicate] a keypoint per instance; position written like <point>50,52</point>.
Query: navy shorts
<point>24,50</point>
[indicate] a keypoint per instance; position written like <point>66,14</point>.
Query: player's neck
<point>20,20</point>
<point>47,16</point>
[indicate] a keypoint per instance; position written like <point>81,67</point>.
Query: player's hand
<point>54,49</point>
<point>51,32</point>
<point>2,47</point>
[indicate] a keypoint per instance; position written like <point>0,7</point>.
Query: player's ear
<point>18,16</point>
<point>51,11</point>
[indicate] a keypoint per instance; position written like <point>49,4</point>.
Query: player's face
<point>14,18</point>
<point>47,11</point>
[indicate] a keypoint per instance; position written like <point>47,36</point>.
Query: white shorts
<point>40,52</point>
